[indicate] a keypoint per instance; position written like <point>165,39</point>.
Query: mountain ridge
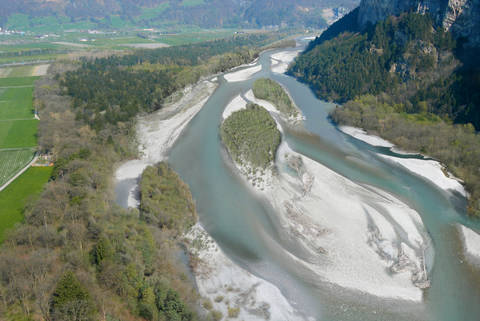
<point>203,13</point>
<point>462,17</point>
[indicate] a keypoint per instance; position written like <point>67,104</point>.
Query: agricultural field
<point>12,161</point>
<point>18,127</point>
<point>14,198</point>
<point>18,133</point>
<point>18,130</point>
<point>16,103</point>
<point>16,82</point>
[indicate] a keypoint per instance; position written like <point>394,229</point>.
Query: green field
<point>18,133</point>
<point>18,81</point>
<point>186,38</point>
<point>21,71</point>
<point>11,161</point>
<point>18,128</point>
<point>192,3</point>
<point>18,139</point>
<point>16,103</point>
<point>14,198</point>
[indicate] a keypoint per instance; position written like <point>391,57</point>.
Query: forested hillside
<point>156,13</point>
<point>78,255</point>
<point>420,74</point>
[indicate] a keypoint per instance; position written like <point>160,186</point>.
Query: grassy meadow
<point>18,133</point>
<point>16,103</point>
<point>18,127</point>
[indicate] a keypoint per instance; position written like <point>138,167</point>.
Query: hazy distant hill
<point>204,13</point>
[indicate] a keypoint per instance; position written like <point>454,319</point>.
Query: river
<point>244,225</point>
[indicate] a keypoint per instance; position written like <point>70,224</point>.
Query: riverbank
<point>432,170</point>
<point>281,60</point>
<point>157,132</point>
<point>242,74</point>
<point>362,135</point>
<point>232,290</point>
<point>471,243</point>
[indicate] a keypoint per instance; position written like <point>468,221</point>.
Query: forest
<point>394,51</point>
<point>78,255</point>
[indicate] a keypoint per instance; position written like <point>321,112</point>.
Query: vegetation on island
<point>251,136</point>
<point>121,264</point>
<point>406,80</point>
<point>165,200</point>
<point>272,91</point>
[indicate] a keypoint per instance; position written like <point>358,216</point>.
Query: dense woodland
<point>251,136</point>
<point>78,255</point>
<point>422,79</point>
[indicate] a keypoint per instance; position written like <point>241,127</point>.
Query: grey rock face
<point>462,17</point>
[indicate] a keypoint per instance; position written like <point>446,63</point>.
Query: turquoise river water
<point>239,221</point>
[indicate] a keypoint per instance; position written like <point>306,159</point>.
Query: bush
<point>233,312</point>
<point>207,304</point>
<point>216,315</point>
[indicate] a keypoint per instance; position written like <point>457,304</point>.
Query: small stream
<point>245,228</point>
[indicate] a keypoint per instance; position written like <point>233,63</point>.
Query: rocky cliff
<point>462,17</point>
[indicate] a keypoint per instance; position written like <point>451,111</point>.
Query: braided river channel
<point>245,227</point>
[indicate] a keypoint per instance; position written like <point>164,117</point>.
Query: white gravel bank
<point>471,242</point>
<point>243,74</point>
<point>218,277</point>
<point>431,170</point>
<point>281,60</point>
<point>357,237</point>
<point>362,135</point>
<point>237,103</point>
